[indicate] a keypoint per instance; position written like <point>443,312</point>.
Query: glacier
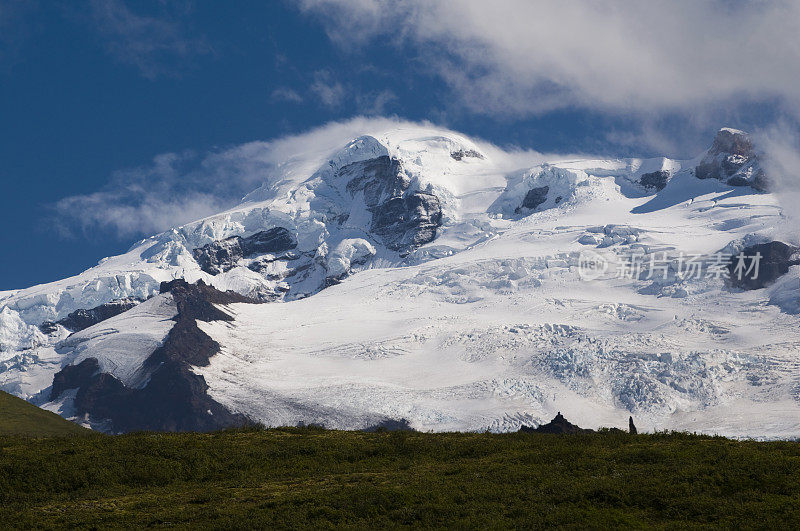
<point>414,273</point>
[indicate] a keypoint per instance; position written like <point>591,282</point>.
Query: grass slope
<point>18,417</point>
<point>306,477</point>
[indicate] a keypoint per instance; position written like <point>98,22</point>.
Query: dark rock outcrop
<point>462,154</point>
<point>403,219</point>
<point>534,198</point>
<point>174,397</point>
<point>632,427</point>
<point>48,327</point>
<point>733,160</point>
<point>223,255</point>
<point>82,319</point>
<point>752,272</point>
<point>407,222</point>
<point>656,180</point>
<point>196,301</point>
<point>559,425</point>
<point>380,179</point>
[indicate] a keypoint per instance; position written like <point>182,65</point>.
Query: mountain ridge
<point>466,236</point>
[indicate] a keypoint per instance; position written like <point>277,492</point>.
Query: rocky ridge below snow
<point>162,391</point>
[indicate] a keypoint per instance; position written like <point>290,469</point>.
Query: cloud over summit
<point>176,188</point>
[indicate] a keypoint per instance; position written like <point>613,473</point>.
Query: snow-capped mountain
<point>415,274</point>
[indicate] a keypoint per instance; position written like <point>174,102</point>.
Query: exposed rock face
<point>48,327</point>
<point>776,259</point>
<point>632,427</point>
<point>558,425</point>
<point>407,222</point>
<point>380,179</point>
<point>224,255</point>
<point>534,198</point>
<point>82,319</point>
<point>733,160</point>
<point>403,220</point>
<point>656,180</point>
<point>174,397</point>
<point>461,154</point>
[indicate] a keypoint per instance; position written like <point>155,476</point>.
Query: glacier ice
<point>461,312</point>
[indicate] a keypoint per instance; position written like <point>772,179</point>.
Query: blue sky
<point>114,100</point>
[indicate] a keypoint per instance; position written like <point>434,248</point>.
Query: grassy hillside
<point>306,477</point>
<point>18,417</point>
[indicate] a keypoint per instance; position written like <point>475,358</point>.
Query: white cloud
<point>176,188</point>
<point>107,211</point>
<point>150,43</point>
<point>334,94</point>
<point>375,103</point>
<point>173,189</point>
<point>329,91</point>
<point>286,94</point>
<point>528,57</point>
<point>781,146</point>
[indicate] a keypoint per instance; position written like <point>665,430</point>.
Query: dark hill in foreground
<point>18,417</point>
<point>315,478</point>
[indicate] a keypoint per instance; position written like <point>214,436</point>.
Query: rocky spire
<point>732,159</point>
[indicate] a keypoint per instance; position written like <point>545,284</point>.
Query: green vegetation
<point>18,417</point>
<point>310,477</point>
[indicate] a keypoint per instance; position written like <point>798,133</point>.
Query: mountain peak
<point>411,273</point>
<point>733,160</point>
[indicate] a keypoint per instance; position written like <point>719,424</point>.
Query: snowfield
<point>437,279</point>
